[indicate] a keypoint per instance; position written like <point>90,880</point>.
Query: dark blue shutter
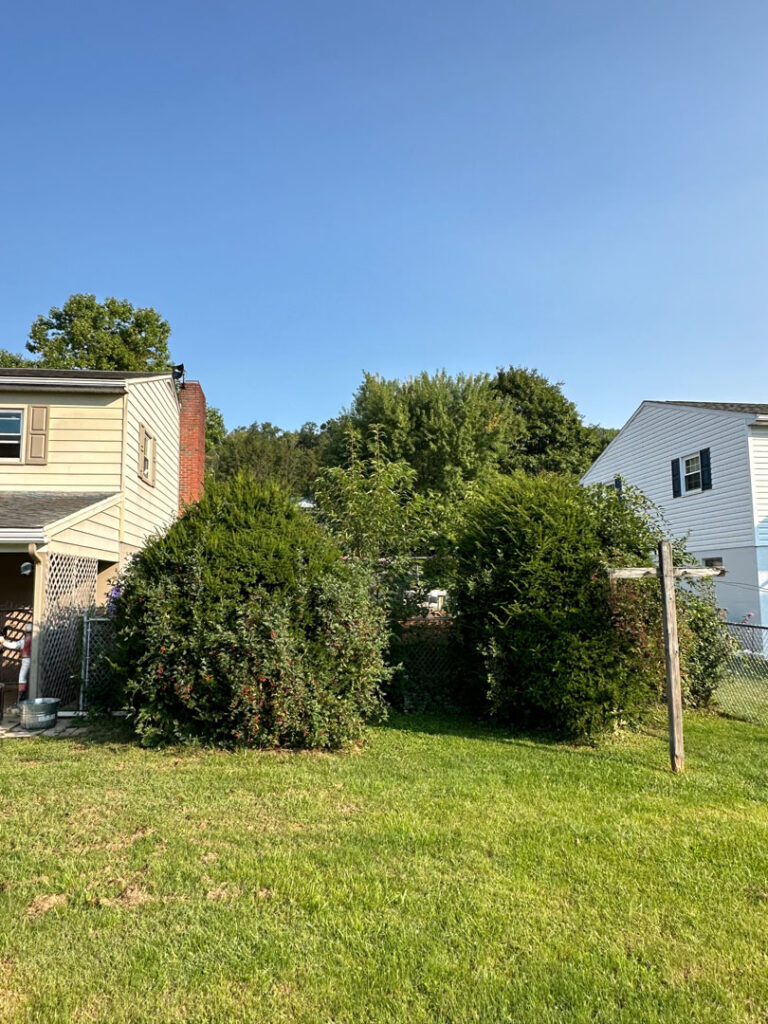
<point>706,469</point>
<point>676,489</point>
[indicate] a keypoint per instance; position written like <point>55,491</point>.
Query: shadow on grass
<point>467,727</point>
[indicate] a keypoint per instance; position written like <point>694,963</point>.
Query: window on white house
<point>713,563</point>
<point>10,434</point>
<point>692,472</point>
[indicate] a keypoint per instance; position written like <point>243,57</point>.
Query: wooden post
<point>672,655</point>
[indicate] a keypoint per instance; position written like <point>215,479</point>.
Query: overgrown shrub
<point>243,624</point>
<point>546,635</point>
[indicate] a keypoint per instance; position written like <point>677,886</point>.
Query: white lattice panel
<point>70,589</point>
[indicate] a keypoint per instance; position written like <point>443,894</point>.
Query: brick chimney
<point>191,443</point>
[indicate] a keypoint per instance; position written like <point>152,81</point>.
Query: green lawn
<point>444,873</point>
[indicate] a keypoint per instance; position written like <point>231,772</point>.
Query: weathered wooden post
<point>672,657</point>
<point>667,574</point>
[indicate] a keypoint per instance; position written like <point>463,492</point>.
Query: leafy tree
<point>379,519</point>
<point>9,360</point>
<point>269,453</point>
<point>450,430</point>
<point>109,335</point>
<point>553,437</point>
<point>215,433</point>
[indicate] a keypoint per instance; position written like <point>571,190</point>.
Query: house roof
<point>753,408</point>
<point>33,510</point>
<point>35,372</point>
<point>110,382</point>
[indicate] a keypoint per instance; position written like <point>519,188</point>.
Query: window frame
<point>685,489</point>
<point>22,412</point>
<point>145,437</point>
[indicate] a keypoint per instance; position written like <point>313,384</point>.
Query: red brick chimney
<point>191,443</point>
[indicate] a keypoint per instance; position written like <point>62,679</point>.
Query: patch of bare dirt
<point>42,904</point>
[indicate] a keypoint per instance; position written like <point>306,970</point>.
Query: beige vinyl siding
<point>84,443</point>
<point>151,404</point>
<point>97,536</point>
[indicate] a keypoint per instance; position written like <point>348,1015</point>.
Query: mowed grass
<point>442,873</point>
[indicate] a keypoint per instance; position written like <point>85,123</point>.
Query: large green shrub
<point>546,635</point>
<point>243,624</point>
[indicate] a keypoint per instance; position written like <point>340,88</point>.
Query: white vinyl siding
<point>152,410</point>
<point>84,444</point>
<point>642,454</point>
<point>758,453</point>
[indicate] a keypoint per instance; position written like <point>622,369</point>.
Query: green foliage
<point>271,454</point>
<point>242,624</point>
<point>552,436</point>
<point>9,360</point>
<point>379,519</point>
<point>705,646</point>
<point>109,335</point>
<point>215,433</point>
<point>450,430</point>
<point>535,605</point>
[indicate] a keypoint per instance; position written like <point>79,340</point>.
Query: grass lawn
<point>444,873</point>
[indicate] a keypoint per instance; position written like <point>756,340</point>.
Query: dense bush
<point>545,634</point>
<point>243,624</point>
<point>705,646</point>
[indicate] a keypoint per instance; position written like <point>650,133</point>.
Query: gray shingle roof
<point>755,409</point>
<point>29,510</point>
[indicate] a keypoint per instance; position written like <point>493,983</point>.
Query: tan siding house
<point>89,469</point>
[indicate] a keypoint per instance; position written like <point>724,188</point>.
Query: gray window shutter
<point>37,435</point>
<point>676,488</point>
<point>706,469</point>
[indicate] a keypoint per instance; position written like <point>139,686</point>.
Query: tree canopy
<point>457,430</point>
<point>85,334</point>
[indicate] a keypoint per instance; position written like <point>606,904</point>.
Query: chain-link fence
<point>428,675</point>
<point>743,692</point>
<point>97,679</point>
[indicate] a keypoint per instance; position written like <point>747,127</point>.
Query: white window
<point>11,423</point>
<point>147,453</point>
<point>692,472</point>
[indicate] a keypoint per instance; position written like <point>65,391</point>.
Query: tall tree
<point>553,436</point>
<point>92,335</point>
<point>450,430</point>
<point>269,453</point>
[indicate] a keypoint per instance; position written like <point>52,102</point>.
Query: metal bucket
<point>40,713</point>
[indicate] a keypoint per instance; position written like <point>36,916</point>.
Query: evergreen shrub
<point>545,635</point>
<point>243,624</point>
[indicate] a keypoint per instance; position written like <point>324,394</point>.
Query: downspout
<point>37,618</point>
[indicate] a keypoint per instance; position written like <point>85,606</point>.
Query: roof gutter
<point>30,535</point>
<point>760,420</point>
<point>92,386</point>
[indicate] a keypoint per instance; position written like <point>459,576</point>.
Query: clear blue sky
<point>308,189</point>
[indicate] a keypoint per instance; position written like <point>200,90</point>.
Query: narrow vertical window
<point>146,456</point>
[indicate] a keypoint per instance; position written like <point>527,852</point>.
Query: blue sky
<point>306,190</point>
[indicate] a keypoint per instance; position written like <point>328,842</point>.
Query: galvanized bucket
<point>40,713</point>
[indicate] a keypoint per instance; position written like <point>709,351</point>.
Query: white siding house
<point>705,465</point>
